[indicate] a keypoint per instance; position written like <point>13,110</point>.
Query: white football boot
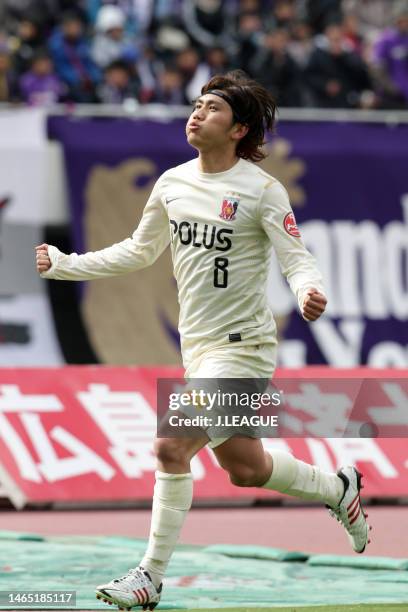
<point>133,589</point>
<point>350,512</point>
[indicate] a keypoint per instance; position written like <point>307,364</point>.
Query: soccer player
<point>221,215</point>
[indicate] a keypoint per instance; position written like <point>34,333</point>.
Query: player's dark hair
<point>252,105</point>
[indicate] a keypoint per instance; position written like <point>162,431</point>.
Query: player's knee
<point>168,451</point>
<point>245,476</point>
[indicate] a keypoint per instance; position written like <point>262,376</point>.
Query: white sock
<point>172,498</point>
<point>294,477</point>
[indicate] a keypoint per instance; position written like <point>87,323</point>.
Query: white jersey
<point>221,228</point>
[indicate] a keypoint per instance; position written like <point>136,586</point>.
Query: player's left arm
<point>296,263</point>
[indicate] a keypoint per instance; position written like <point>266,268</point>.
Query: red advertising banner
<point>86,434</point>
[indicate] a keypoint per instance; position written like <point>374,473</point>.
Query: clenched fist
<point>314,305</point>
<point>42,259</point>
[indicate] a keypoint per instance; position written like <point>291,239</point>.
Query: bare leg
<point>245,460</point>
<point>250,466</point>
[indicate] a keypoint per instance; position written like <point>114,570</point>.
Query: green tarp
<point>212,577</point>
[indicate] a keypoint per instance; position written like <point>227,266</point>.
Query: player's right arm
<point>141,250</point>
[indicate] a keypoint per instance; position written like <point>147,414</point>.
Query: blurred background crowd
<point>309,53</point>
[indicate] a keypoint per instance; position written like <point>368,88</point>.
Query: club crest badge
<point>289,223</point>
<point>229,207</point>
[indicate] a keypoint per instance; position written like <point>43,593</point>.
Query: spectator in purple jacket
<point>40,86</point>
<point>71,55</point>
<point>391,60</point>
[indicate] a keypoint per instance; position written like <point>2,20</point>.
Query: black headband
<point>228,99</point>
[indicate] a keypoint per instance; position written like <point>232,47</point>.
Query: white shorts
<point>234,361</point>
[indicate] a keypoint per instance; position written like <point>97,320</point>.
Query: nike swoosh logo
<point>168,200</point>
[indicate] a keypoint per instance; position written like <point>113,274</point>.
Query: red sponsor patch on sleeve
<point>289,223</point>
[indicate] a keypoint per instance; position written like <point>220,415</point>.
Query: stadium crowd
<point>309,53</point>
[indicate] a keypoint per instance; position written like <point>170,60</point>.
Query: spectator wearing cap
<point>111,43</point>
<point>70,52</point>
<point>40,86</point>
<point>391,60</point>
<point>8,79</point>
<point>337,77</point>
<point>132,9</point>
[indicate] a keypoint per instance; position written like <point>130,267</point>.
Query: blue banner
<point>348,185</point>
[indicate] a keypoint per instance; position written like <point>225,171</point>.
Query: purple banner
<point>348,185</point>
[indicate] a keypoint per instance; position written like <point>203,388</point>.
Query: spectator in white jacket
<point>111,43</point>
